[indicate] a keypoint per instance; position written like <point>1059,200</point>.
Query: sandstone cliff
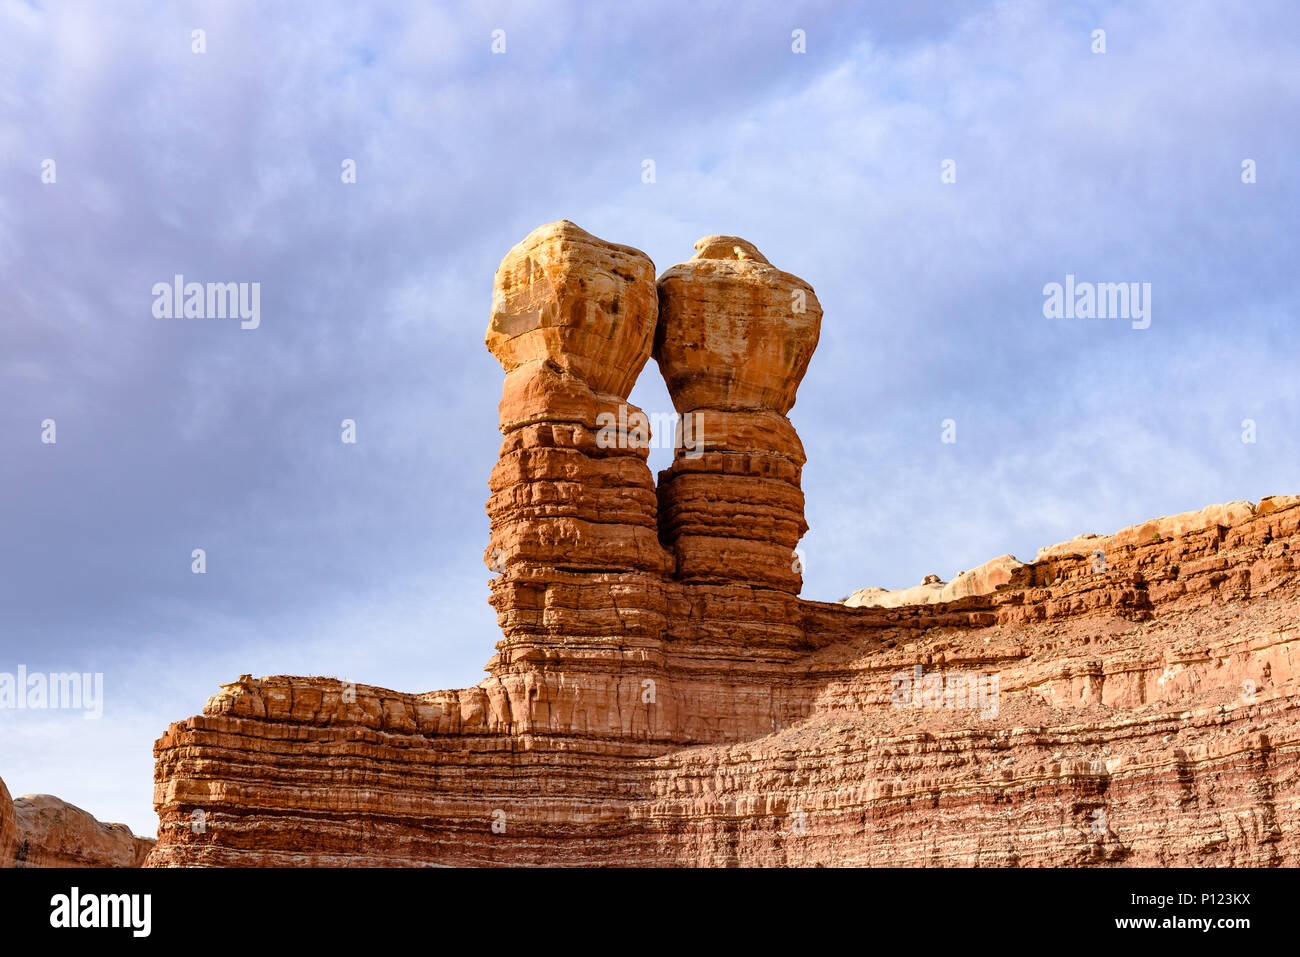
<point>8,827</point>
<point>661,696</point>
<point>39,830</point>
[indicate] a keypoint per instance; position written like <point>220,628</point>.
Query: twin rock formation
<point>574,320</point>
<point>661,695</point>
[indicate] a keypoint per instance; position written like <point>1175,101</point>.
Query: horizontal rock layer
<point>1144,714</point>
<point>660,694</point>
<point>734,338</point>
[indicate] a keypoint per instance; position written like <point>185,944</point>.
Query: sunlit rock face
<point>8,827</point>
<point>572,323</point>
<point>734,339</point>
<point>735,333</point>
<point>661,695</point>
<point>40,830</point>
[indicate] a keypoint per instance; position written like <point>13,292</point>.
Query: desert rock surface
<point>661,695</point>
<point>8,826</point>
<point>40,830</point>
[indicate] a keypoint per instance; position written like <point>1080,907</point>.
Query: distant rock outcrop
<point>39,830</point>
<point>661,695</point>
<point>1006,570</point>
<point>992,575</point>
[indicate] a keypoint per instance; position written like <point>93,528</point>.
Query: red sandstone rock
<point>39,830</point>
<point>8,827</point>
<point>734,339</point>
<point>1146,715</point>
<point>735,332</point>
<point>573,319</point>
<point>684,707</point>
<point>573,510</point>
<point>586,307</point>
<point>992,575</point>
<point>58,834</point>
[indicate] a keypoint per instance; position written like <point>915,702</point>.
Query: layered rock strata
<point>8,826</point>
<point>734,338</point>
<point>661,696</point>
<point>573,511</point>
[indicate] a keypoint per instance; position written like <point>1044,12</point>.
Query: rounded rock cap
<point>727,247</point>
<point>734,331</point>
<point>569,300</point>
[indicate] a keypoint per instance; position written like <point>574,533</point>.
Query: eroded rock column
<point>574,529</point>
<point>733,342</point>
<point>572,323</point>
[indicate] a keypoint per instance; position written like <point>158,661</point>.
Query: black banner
<point>943,907</point>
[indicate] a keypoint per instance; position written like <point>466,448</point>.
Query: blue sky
<point>364,560</point>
